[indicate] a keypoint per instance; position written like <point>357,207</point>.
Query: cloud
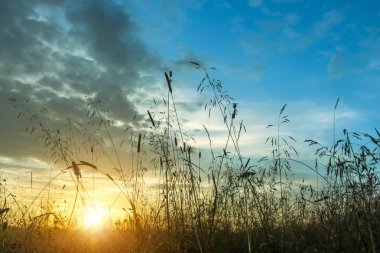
<point>374,65</point>
<point>287,1</point>
<point>56,52</point>
<point>308,120</point>
<point>369,44</point>
<point>327,22</point>
<point>337,65</point>
<point>322,29</point>
<point>255,3</point>
<point>268,12</point>
<point>108,35</point>
<point>292,18</point>
<point>223,4</point>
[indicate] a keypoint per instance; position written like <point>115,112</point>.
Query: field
<point>182,198</point>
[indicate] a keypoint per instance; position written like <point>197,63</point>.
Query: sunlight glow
<point>95,217</point>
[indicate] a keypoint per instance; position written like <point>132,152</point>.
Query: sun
<point>95,217</point>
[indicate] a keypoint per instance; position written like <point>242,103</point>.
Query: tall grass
<point>204,199</point>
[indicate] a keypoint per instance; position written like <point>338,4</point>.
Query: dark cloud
<point>56,52</point>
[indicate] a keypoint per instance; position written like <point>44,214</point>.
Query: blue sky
<point>304,53</point>
<point>269,53</point>
<point>277,52</point>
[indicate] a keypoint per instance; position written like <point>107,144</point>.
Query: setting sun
<point>95,217</point>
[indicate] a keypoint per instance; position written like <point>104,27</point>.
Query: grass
<point>205,199</point>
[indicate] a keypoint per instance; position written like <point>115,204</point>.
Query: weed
<point>230,204</point>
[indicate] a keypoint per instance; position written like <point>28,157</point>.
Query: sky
<point>303,53</point>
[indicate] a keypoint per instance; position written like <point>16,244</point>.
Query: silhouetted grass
<point>204,200</point>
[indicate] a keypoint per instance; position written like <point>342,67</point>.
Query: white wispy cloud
<point>255,3</point>
<point>327,22</point>
<point>292,18</point>
<point>337,62</point>
<point>323,28</point>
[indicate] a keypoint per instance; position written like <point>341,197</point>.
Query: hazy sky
<point>304,53</point>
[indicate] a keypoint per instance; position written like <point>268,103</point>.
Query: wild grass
<point>204,199</point>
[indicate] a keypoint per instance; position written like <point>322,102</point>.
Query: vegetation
<point>204,200</point>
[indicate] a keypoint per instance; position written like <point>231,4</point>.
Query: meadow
<point>203,200</point>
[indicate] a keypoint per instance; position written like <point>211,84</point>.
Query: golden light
<point>95,217</point>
